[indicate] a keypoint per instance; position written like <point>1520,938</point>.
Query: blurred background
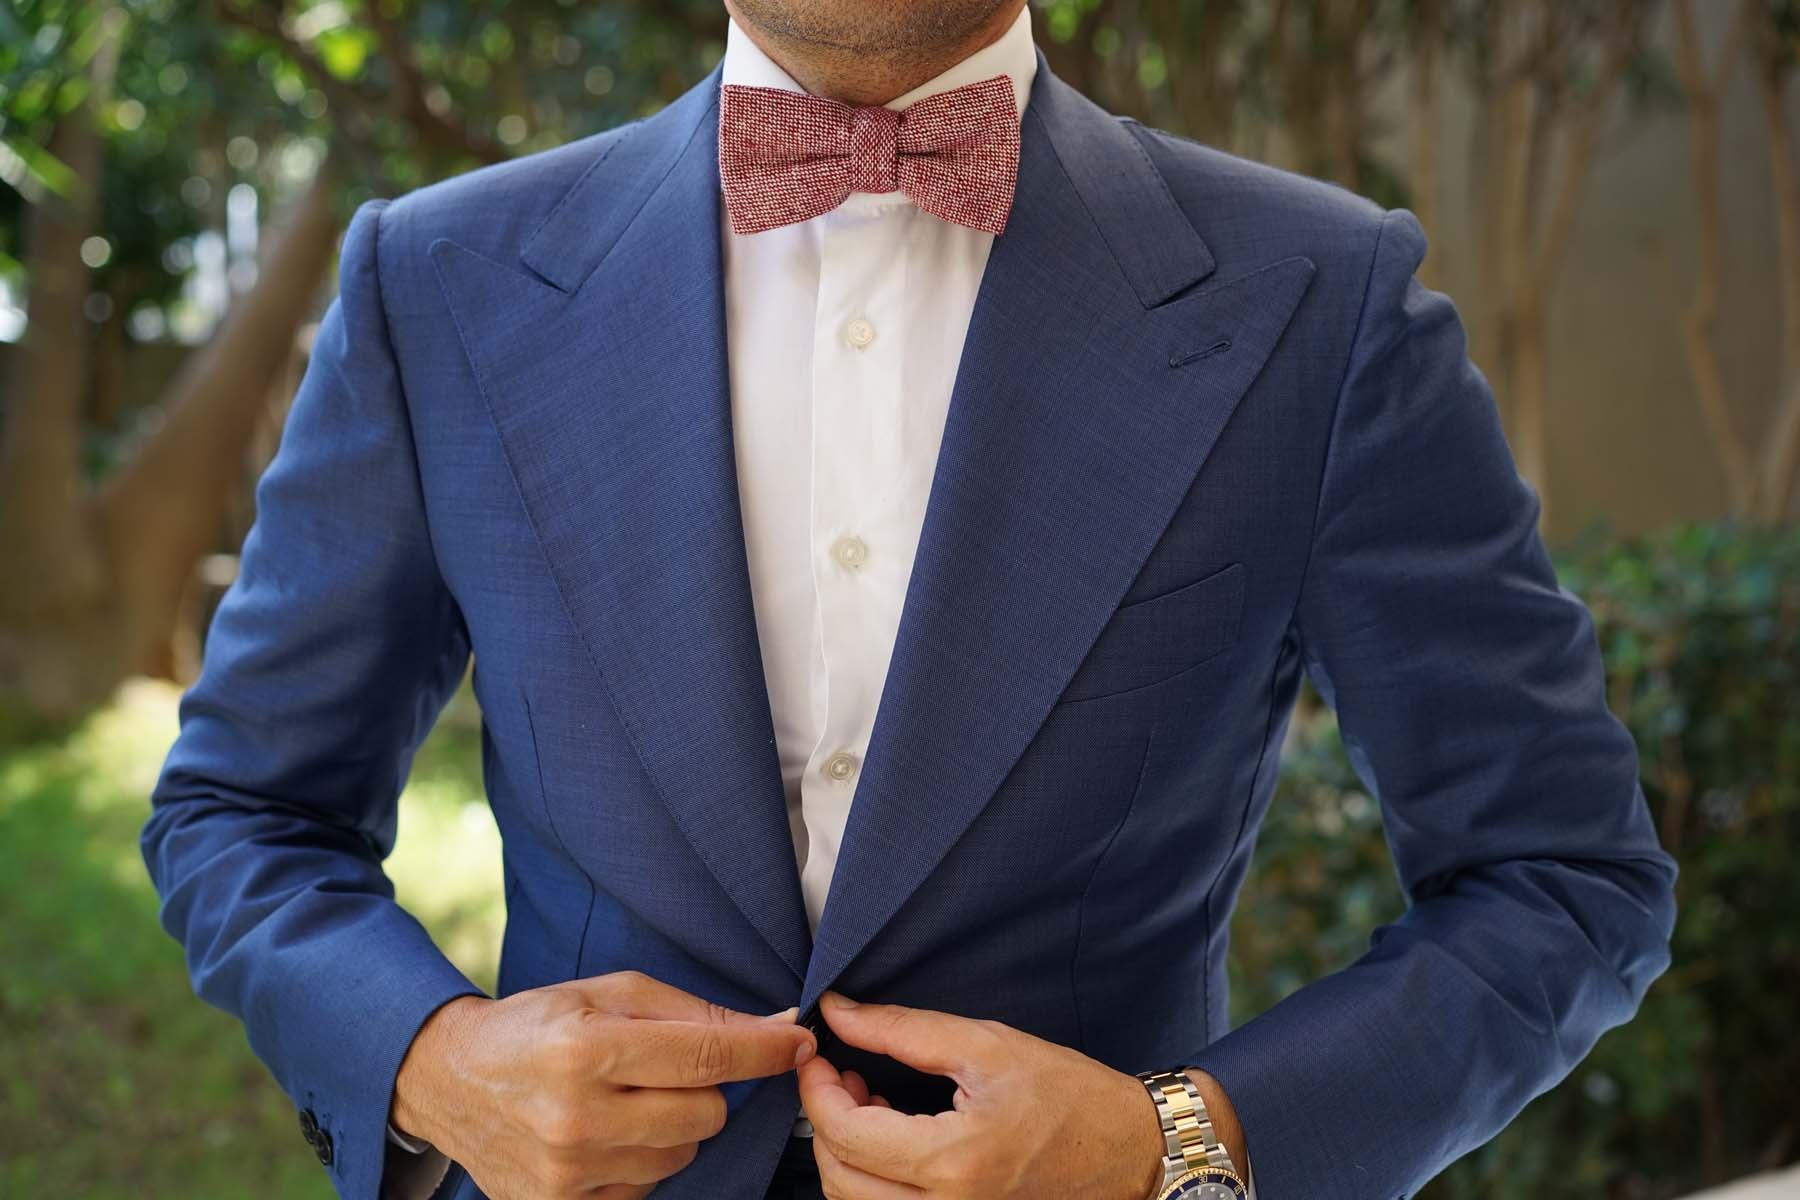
<point>1613,196</point>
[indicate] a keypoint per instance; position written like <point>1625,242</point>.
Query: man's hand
<point>597,1088</point>
<point>1032,1119</point>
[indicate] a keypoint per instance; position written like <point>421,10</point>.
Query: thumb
<point>938,1042</point>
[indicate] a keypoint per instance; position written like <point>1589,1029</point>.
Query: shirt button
<point>851,551</point>
<point>859,333</point>
<point>840,767</point>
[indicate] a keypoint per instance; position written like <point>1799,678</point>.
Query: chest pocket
<point>1150,640</point>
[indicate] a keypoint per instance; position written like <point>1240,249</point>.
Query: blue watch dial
<point>1206,1183</point>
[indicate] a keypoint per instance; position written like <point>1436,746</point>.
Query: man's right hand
<point>596,1088</point>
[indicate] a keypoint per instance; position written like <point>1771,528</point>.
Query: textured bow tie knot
<point>789,156</point>
<point>874,150</point>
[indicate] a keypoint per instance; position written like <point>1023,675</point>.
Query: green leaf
<point>345,50</point>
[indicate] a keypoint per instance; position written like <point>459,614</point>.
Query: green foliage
<point>210,94</point>
<point>115,1083</point>
<point>182,90</point>
<point>41,49</point>
<point>1700,628</point>
<point>1321,877</point>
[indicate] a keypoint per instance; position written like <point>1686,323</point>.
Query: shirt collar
<point>1013,54</point>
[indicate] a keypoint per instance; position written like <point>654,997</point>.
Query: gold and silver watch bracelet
<point>1187,1127</point>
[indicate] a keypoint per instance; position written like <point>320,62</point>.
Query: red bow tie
<point>789,156</point>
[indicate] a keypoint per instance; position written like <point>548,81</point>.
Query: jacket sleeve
<point>326,663</point>
<point>1471,697</point>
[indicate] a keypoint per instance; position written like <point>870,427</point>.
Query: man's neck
<point>860,78</point>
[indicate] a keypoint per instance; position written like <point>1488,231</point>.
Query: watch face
<point>1205,1183</point>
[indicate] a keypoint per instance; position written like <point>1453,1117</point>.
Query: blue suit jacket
<point>1207,434</point>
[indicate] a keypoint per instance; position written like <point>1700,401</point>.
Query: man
<point>890,504</point>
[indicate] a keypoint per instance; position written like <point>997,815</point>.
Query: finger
<point>880,1101</point>
<point>635,994</point>
<point>853,1083</point>
<point>937,1042</point>
<point>880,1140</point>
<point>841,1181</point>
<point>675,1054</point>
<point>666,1116</point>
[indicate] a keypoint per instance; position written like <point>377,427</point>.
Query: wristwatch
<point>1195,1165</point>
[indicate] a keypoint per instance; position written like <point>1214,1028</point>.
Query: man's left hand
<point>1032,1118</point>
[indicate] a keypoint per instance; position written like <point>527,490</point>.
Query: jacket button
<point>812,1019</point>
<point>317,1138</point>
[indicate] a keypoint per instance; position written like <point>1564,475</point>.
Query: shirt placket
<point>860,559</point>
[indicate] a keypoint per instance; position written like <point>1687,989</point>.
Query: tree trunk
<point>1510,246</point>
<point>1702,311</point>
<point>141,534</point>
<point>1347,27</point>
<point>1781,462</point>
<point>1486,154</point>
<point>1534,55</point>
<point>1531,399</point>
<point>161,511</point>
<point>1428,42</point>
<point>54,568</point>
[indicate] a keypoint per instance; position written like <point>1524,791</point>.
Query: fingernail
<point>790,1013</point>
<point>842,1000</point>
<point>806,1051</point>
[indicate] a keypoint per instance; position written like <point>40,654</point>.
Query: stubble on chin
<point>891,29</point>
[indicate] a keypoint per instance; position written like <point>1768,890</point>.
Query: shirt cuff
<point>410,1145</point>
<point>409,1173</point>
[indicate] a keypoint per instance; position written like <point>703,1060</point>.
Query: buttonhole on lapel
<point>1218,347</point>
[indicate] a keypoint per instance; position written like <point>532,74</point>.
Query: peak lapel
<point>606,373</point>
<point>1095,380</point>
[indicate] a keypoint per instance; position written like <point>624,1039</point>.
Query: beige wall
<point>1626,438</point>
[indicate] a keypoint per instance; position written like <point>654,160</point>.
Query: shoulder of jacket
<point>1222,192</point>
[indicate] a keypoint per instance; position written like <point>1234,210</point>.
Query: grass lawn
<point>114,1080</point>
